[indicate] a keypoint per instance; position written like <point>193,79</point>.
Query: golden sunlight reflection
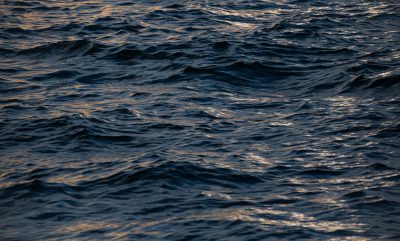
<point>86,226</point>
<point>342,101</point>
<point>247,17</point>
<point>217,195</point>
<point>115,230</point>
<point>258,216</point>
<point>257,159</point>
<point>224,113</point>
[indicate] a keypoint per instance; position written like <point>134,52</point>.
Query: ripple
<point>199,120</point>
<point>63,49</point>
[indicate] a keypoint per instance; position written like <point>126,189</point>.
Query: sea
<point>199,120</point>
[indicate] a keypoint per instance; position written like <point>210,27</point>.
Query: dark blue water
<point>199,120</point>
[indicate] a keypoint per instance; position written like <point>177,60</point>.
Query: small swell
<point>66,130</point>
<point>385,81</point>
<point>109,24</point>
<point>258,69</point>
<point>36,188</point>
<point>63,49</point>
<point>123,54</point>
<point>354,83</point>
<point>179,174</point>
<point>239,73</point>
<point>60,74</point>
<point>381,81</point>
<point>319,173</point>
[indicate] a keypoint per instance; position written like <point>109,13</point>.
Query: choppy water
<point>196,120</point>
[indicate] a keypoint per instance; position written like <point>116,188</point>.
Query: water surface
<point>197,120</point>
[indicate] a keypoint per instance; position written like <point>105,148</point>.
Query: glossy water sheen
<point>196,120</point>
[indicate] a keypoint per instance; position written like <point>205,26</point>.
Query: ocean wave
<point>178,174</point>
<point>199,120</point>
<point>63,49</point>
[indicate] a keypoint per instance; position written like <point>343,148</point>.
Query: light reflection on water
<point>209,120</point>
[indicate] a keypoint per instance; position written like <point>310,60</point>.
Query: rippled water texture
<point>196,120</point>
